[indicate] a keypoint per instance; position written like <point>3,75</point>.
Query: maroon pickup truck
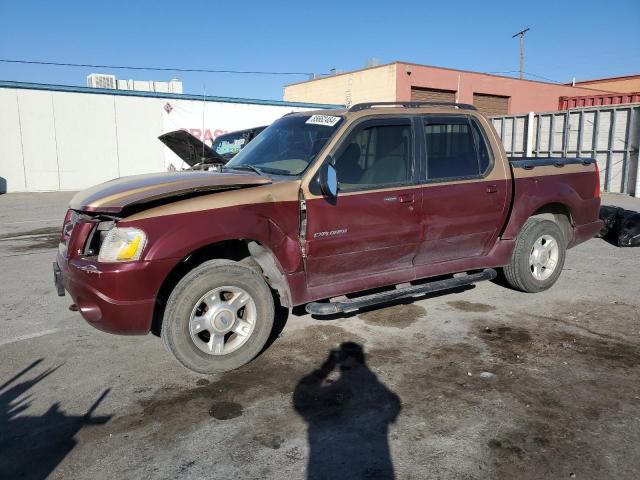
<point>319,206</point>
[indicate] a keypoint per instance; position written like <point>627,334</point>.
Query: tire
<point>519,273</point>
<point>186,311</point>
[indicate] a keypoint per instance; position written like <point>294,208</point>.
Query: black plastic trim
<point>364,106</point>
<point>529,163</point>
<point>57,279</point>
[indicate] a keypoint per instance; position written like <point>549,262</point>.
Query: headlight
<point>122,245</point>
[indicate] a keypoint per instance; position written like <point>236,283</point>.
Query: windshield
<point>229,144</point>
<point>288,146</point>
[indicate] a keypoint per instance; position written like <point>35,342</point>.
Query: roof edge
<point>172,96</point>
<point>607,79</point>
<point>401,62</point>
<point>558,84</point>
<point>340,74</point>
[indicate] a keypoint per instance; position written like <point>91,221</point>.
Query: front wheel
<point>218,317</point>
<point>538,257</point>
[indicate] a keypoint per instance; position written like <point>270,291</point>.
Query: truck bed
<point>566,185</point>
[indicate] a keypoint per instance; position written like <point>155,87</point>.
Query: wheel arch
<point>557,211</point>
<point>253,253</point>
<point>560,214</point>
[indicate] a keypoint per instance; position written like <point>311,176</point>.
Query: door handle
<point>492,188</point>
<point>407,198</point>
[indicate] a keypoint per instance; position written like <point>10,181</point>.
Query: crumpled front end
<point>113,297</point>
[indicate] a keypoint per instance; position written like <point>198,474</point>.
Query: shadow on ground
<point>348,417</point>
<point>33,446</point>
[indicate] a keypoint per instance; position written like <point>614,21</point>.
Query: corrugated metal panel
<point>432,95</point>
<point>574,128</point>
<point>588,125</point>
<point>520,135</point>
<point>610,134</point>
<point>491,104</point>
<point>598,100</point>
<point>557,145</point>
<point>508,132</point>
<point>544,134</point>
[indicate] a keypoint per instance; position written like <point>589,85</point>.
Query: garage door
<point>491,104</point>
<point>432,95</point>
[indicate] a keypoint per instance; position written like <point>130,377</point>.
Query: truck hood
<point>115,195</point>
<point>190,149</point>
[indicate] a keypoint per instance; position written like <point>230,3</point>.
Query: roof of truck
<point>391,107</point>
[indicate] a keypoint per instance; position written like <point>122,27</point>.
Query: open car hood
<point>115,195</point>
<point>190,149</point>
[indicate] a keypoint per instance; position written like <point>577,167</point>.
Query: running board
<point>348,305</point>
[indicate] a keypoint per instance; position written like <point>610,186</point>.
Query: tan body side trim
<point>547,170</point>
<point>286,191</point>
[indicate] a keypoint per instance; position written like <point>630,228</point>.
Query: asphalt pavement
<point>478,383</point>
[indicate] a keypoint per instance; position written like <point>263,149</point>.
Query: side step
<point>349,305</point>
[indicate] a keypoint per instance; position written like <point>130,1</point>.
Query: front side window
<point>288,145</point>
<point>455,149</point>
<point>375,156</point>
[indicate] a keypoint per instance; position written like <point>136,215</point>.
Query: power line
<point>157,69</point>
<point>203,70</point>
<point>529,74</point>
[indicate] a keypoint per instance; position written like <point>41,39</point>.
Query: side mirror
<point>328,181</point>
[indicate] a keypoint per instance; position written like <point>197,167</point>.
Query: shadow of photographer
<point>33,446</point>
<point>348,412</point>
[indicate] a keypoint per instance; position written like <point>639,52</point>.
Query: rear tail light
<point>596,193</point>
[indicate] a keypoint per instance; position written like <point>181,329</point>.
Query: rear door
<point>374,225</point>
<point>466,190</point>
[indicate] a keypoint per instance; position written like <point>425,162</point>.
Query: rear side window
<point>455,148</point>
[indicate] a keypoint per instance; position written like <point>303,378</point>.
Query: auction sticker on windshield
<point>328,120</point>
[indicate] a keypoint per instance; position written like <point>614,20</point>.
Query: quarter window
<point>455,148</point>
<point>375,156</point>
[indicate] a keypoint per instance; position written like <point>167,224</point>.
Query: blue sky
<point>582,39</point>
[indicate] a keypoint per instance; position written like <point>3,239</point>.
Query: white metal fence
<point>609,134</point>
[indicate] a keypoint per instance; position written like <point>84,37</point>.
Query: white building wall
<point>11,160</point>
<point>38,138</point>
<point>67,140</point>
<point>139,122</point>
<point>86,139</point>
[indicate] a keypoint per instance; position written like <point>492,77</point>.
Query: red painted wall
<point>525,95</point>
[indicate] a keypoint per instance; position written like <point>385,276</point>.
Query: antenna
<point>521,35</point>
<point>204,106</point>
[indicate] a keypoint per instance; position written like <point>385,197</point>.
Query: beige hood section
<point>113,196</point>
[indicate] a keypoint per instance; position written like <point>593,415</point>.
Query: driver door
<point>372,226</point>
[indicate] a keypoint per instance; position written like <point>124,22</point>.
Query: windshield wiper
<point>247,167</point>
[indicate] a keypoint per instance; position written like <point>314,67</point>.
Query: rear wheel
<point>218,317</point>
<point>538,257</point>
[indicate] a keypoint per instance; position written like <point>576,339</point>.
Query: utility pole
<point>521,35</point>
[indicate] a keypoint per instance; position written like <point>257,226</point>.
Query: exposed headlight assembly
<point>122,245</point>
